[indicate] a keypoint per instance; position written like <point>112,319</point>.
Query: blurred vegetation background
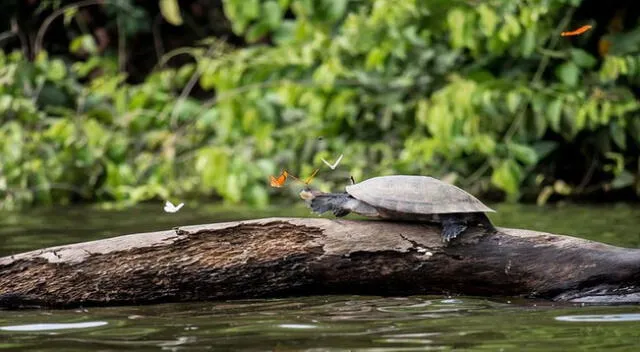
<point>123,101</point>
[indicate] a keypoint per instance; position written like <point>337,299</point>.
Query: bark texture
<point>292,256</point>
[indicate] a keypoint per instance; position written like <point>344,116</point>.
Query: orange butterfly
<point>278,182</point>
<point>577,31</point>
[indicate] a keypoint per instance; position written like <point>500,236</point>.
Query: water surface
<point>323,323</point>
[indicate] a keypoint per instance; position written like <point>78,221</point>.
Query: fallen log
<point>294,256</point>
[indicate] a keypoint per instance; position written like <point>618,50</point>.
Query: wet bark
<point>290,256</point>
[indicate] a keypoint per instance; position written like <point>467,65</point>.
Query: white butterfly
<point>170,208</point>
<point>333,167</point>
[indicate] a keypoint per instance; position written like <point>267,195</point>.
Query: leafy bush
<point>489,97</point>
<point>111,141</point>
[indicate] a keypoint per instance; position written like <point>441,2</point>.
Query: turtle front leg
<point>452,226</point>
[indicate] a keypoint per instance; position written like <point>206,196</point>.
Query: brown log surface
<point>299,256</point>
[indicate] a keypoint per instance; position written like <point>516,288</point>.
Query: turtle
<point>406,198</point>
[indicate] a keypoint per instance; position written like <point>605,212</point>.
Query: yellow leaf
<point>544,195</point>
<point>171,12</point>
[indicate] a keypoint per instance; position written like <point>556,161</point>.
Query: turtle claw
<point>339,212</point>
<point>451,230</point>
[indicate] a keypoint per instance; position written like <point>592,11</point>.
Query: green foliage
<point>484,93</point>
<point>489,96</point>
<point>106,141</point>
<point>256,18</point>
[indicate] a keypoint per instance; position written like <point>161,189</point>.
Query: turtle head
<point>307,194</point>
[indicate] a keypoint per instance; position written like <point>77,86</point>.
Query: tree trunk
<point>291,256</point>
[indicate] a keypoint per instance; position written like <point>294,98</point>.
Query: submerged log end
<point>293,256</point>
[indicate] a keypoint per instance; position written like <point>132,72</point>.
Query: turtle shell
<point>415,195</point>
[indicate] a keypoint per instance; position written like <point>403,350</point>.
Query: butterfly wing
<point>273,182</point>
<point>577,31</point>
<point>337,162</point>
<point>308,180</point>
<point>278,182</point>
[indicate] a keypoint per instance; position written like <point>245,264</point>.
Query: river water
<point>321,323</point>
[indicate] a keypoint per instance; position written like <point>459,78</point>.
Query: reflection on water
<point>55,326</point>
<point>328,323</point>
<point>336,323</point>
<point>600,318</point>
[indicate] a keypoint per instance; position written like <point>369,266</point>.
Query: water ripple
<point>53,326</point>
<point>600,317</point>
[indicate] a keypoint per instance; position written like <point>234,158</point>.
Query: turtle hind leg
<point>452,226</point>
<point>483,221</point>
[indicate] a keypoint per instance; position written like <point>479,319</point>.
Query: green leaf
<point>184,74</point>
<point>609,70</point>
<point>539,126</point>
<point>233,189</point>
<point>250,9</point>
<point>422,109</point>
<point>171,12</point>
<point>212,164</point>
<point>554,114</point>
<point>625,179</point>
<point>375,59</point>
<point>336,9</point>
<point>583,58</point>
<point>581,118</point>
<point>249,118</point>
<point>507,178</point>
<point>544,148</point>
<point>456,22</point>
<point>562,188</point>
<point>529,42</point>
<point>593,113</point>
<point>239,25</point>
<point>510,29</point>
<point>284,32</point>
<point>488,20</point>
<point>256,32</point>
<point>272,14</point>
<point>485,144</point>
<point>513,101</point>
<point>618,162</point>
<point>544,195</point>
<point>84,43</point>
<point>568,73</point>
<point>69,14</point>
<point>524,153</point>
<point>618,135</point>
<point>258,196</point>
<point>284,3</point>
<point>5,103</point>
<point>57,70</point>
<point>605,112</point>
